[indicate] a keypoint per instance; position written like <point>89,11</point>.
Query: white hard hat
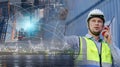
<point>96,13</point>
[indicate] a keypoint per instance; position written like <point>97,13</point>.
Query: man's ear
<point>88,25</point>
<point>103,25</point>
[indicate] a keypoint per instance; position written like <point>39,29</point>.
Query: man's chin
<point>96,33</point>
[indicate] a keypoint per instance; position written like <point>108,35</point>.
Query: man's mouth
<point>96,27</point>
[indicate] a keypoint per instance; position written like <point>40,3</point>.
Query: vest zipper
<point>100,60</point>
<point>100,55</point>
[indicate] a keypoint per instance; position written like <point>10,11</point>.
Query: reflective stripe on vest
<point>88,54</point>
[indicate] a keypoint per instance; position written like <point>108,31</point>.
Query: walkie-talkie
<point>106,27</point>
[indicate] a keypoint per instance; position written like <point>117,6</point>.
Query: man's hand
<point>63,13</point>
<point>106,34</point>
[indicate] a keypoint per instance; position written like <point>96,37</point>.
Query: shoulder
<point>72,36</point>
<point>73,39</point>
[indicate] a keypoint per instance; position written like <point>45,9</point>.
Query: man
<point>91,50</point>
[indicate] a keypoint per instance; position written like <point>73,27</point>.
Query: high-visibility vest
<point>89,55</point>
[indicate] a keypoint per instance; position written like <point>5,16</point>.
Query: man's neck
<point>95,37</point>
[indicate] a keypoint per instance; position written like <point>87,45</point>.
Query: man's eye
<point>100,21</point>
<point>93,20</point>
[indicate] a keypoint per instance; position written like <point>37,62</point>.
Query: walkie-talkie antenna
<point>111,20</point>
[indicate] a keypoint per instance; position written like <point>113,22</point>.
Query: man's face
<point>95,25</point>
